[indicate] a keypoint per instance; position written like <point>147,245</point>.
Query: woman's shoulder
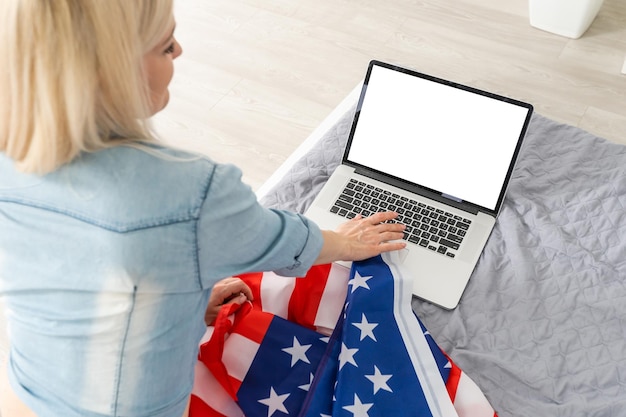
<point>121,188</point>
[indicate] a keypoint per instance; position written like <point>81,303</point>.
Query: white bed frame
<point>313,138</point>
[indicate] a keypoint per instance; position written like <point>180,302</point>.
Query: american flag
<point>277,360</point>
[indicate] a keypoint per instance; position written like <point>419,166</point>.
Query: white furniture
<point>569,18</point>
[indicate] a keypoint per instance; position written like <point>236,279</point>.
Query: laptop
<point>439,153</point>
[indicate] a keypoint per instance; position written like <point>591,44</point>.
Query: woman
<point>111,243</point>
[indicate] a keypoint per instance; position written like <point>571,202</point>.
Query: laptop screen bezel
<point>419,189</point>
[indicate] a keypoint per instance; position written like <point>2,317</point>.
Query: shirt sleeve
<point>236,234</point>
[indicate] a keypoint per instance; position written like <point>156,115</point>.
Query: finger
<point>382,217</point>
<point>239,299</point>
<point>388,236</point>
<point>245,290</point>
<point>391,246</point>
<point>225,296</point>
<point>394,227</point>
<point>234,286</point>
<point>388,227</point>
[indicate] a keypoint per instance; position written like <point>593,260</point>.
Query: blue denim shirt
<point>106,266</point>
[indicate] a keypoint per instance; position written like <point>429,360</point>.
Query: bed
<point>541,327</point>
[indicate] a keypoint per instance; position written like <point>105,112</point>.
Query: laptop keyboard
<point>426,226</point>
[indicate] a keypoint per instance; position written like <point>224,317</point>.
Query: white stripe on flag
<point>275,293</point>
<point>207,389</point>
<point>239,352</point>
<point>207,335</point>
<point>333,298</point>
<point>416,344</point>
<point>470,400</point>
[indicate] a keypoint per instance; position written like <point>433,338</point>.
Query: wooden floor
<point>258,76</point>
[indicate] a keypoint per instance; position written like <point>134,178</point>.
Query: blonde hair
<point>71,76</point>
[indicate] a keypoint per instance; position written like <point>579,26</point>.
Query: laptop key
<point>454,238</point>
<point>449,244</point>
<point>344,205</point>
<point>463,226</point>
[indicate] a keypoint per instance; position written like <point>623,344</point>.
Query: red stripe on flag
<point>234,382</point>
<point>453,380</point>
<point>199,408</point>
<point>255,329</point>
<point>306,297</point>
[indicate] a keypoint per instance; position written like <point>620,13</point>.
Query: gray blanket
<point>541,328</point>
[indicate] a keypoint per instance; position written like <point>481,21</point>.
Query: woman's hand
<point>227,291</point>
<point>361,238</point>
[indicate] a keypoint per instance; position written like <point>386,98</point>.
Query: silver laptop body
<point>439,153</point>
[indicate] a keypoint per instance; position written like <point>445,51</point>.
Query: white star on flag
<point>367,328</point>
<point>358,409</point>
<point>275,402</point>
<point>379,380</point>
<point>297,352</point>
<point>347,356</point>
<point>359,281</point>
<point>306,387</point>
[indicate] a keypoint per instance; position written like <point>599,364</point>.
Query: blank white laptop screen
<point>444,138</point>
